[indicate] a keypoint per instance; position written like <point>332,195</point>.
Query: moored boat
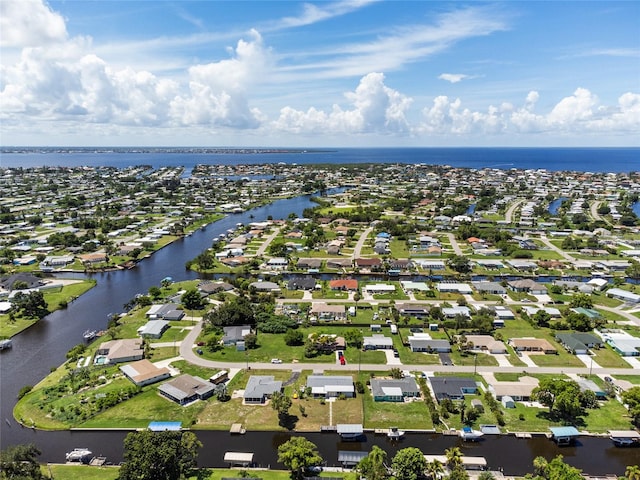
<point>625,438</point>
<point>89,335</point>
<point>5,344</point>
<point>470,435</point>
<point>79,455</point>
<point>394,434</point>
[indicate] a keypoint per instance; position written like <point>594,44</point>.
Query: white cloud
<point>218,91</point>
<point>376,108</point>
<point>312,13</point>
<point>453,77</point>
<point>575,108</point>
<point>29,23</point>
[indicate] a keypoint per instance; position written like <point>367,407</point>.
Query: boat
<point>89,335</point>
<point>394,434</point>
<point>5,344</point>
<point>78,455</point>
<point>470,435</point>
<point>625,438</point>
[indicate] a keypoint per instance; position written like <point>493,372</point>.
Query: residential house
<point>519,391</point>
<point>167,311</point>
<point>313,263</point>
<point>452,312</point>
<point>578,343</point>
<point>277,263</point>
<point>527,286</point>
<point>486,343</point>
<point>453,287</point>
<point>453,388</point>
<point>412,309</point>
<point>530,344</point>
<point>143,372</point>
<point>153,329</point>
<point>394,390</point>
<point>302,283</point>
<point>260,388</point>
<point>622,342</point>
<point>422,342</point>
<point>262,286</point>
<point>339,263</point>
<point>328,313</point>
<point>377,342</point>
<point>349,284</point>
<point>369,264</point>
<point>623,295</point>
<point>522,265</point>
<point>328,386</point>
<point>493,288</point>
<point>234,334</point>
<point>123,350</point>
<point>185,389</point>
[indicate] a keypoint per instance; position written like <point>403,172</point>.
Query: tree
<point>556,469</point>
<point>631,398</point>
<point>454,457</point>
<point>298,454</point>
<point>293,337</point>
<point>581,300</point>
<point>31,304</point>
<point>632,472</point>
<point>192,300</point>
<point>159,455</point>
<point>353,337</point>
<point>372,467</point>
<point>20,462</point>
<point>460,264</point>
<point>435,469</point>
<point>633,270</point>
<point>408,464</point>
<point>396,373</point>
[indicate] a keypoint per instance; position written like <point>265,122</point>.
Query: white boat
<point>470,435</point>
<point>394,434</point>
<point>5,344</point>
<point>89,335</point>
<point>78,455</point>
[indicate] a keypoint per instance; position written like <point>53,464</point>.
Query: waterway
<point>44,346</point>
<point>555,205</point>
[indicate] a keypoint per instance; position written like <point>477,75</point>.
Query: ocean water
<point>599,160</point>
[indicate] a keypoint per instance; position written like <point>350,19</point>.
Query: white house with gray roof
<point>259,388</point>
<point>327,386</point>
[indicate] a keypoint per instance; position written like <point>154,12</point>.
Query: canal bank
<point>46,344</point>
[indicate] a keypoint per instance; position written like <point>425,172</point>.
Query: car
<point>396,353</point>
<point>314,469</point>
<point>608,379</point>
<point>200,344</point>
<point>276,360</point>
<point>199,351</point>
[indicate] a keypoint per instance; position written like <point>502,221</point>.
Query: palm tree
<point>632,472</point>
<point>454,457</point>
<point>435,469</point>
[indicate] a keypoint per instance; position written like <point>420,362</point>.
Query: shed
<point>239,458</point>
<point>564,435</point>
<point>349,458</point>
<point>507,402</point>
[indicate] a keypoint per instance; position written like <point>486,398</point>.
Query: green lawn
<point>607,357</point>
<point>470,359</point>
<point>80,472</point>
<point>55,298</point>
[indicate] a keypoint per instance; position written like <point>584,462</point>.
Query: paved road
<point>186,352</point>
<point>454,244</point>
<point>594,212</point>
<point>262,248</point>
<point>361,240</point>
<point>561,252</point>
<point>508,216</point>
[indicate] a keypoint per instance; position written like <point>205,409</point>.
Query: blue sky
<point>326,73</point>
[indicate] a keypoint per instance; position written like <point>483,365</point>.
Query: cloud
<point>218,91</point>
<point>398,46</point>
<point>313,14</point>
<point>453,77</point>
<point>29,23</point>
<point>578,114</point>
<point>376,108</point>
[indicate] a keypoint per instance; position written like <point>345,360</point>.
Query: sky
<point>352,73</point>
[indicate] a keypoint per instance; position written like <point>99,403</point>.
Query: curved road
<point>187,353</point>
<point>508,216</point>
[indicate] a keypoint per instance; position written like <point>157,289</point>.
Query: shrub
<point>24,390</point>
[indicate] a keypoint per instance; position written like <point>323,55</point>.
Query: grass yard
<point>470,359</point>
<point>607,357</point>
<point>563,359</point>
<point>54,298</point>
<point>139,411</point>
<point>635,379</point>
<point>80,472</point>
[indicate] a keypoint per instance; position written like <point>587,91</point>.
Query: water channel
<point>45,344</point>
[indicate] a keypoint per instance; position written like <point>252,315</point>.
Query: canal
<point>44,346</point>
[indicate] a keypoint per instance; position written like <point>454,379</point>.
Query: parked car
<point>608,379</point>
<point>199,351</point>
<point>276,360</point>
<point>396,353</point>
